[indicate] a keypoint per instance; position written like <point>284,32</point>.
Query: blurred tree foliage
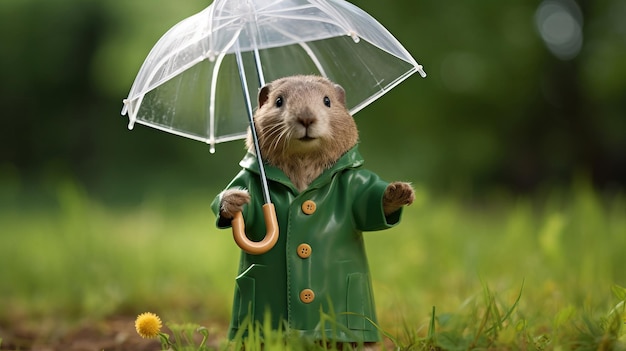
<point>498,109</point>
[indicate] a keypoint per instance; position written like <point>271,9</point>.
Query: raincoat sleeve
<point>241,181</point>
<point>367,208</point>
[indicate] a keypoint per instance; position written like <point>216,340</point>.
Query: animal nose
<point>306,117</point>
<point>307,120</point>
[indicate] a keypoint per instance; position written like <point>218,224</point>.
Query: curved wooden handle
<point>271,234</point>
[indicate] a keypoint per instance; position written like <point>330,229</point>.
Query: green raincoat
<point>319,263</point>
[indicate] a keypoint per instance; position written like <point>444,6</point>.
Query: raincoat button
<point>307,296</point>
<point>308,207</point>
<point>304,250</point>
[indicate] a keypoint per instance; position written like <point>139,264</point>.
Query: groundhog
<point>324,200</point>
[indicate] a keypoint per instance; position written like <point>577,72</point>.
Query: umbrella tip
<point>125,107</point>
<point>211,142</point>
<point>354,36</point>
<point>420,69</point>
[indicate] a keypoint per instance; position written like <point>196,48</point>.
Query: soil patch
<point>113,334</point>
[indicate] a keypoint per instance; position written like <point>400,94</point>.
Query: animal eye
<point>326,101</point>
<point>279,101</point>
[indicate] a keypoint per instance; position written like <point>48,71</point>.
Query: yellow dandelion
<point>148,325</point>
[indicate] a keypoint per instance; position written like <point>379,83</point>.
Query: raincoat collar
<point>351,159</point>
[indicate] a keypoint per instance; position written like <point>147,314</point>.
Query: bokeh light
<point>560,25</point>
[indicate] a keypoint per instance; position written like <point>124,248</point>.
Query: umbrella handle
<point>271,235</point>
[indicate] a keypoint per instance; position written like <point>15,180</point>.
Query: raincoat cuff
<point>394,217</point>
<point>372,217</point>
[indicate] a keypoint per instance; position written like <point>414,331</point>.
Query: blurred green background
<point>521,95</point>
<point>515,142</point>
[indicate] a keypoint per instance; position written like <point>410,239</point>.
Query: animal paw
<point>396,195</point>
<point>232,201</point>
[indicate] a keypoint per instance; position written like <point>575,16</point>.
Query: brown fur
<point>303,136</point>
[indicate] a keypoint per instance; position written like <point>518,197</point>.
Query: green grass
<point>537,273</point>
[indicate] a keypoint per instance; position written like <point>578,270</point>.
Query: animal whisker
<point>284,134</point>
<point>288,135</point>
<point>273,131</point>
<point>271,134</point>
<point>276,134</point>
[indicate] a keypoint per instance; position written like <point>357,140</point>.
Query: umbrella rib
<point>269,10</point>
<point>383,90</point>
<point>408,56</point>
<point>309,19</point>
<point>226,24</point>
<point>170,130</point>
<point>270,14</point>
<point>227,19</point>
<point>168,76</point>
<point>221,139</point>
<point>182,68</point>
<point>331,11</point>
<point>218,64</point>
<point>307,49</point>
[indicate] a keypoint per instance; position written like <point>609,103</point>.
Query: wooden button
<point>304,250</point>
<point>307,296</point>
<point>308,207</point>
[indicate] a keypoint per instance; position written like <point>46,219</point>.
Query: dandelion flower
<point>148,325</point>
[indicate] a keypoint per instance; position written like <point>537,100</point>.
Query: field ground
<point>504,273</point>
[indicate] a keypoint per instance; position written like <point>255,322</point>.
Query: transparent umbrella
<point>198,79</point>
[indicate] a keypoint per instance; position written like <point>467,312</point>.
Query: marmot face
<point>303,117</point>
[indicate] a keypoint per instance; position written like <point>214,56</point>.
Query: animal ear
<point>264,94</point>
<point>341,94</point>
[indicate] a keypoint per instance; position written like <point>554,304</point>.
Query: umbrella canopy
<point>197,80</point>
